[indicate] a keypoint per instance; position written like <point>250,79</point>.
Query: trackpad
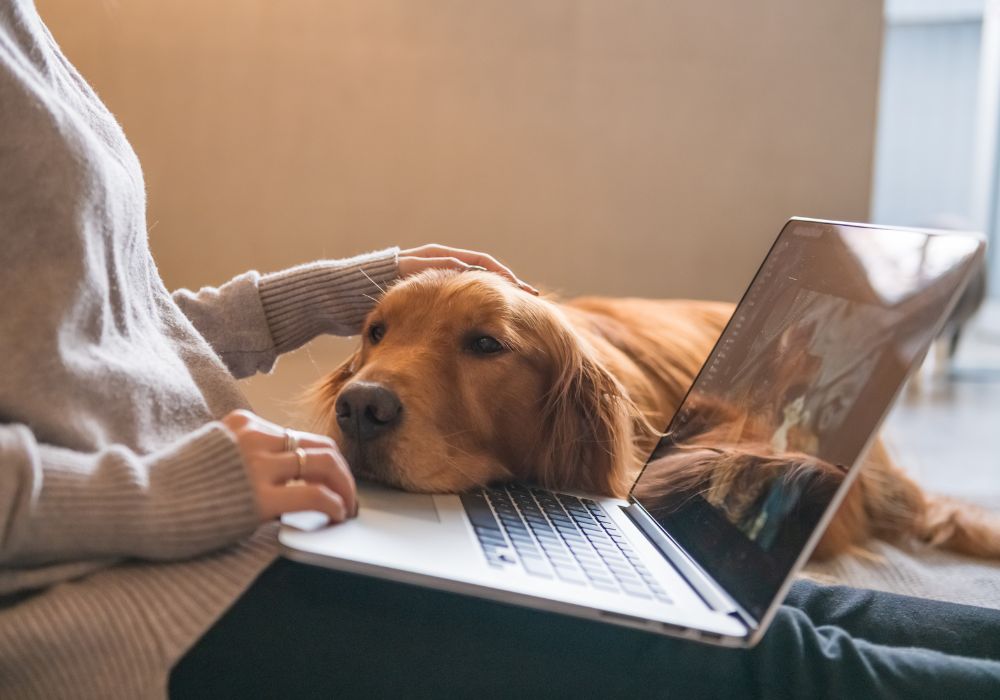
<point>420,506</point>
<point>374,499</point>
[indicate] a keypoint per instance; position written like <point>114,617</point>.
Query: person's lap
<point>301,631</point>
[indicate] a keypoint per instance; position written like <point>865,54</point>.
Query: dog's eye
<point>485,345</point>
<point>376,332</point>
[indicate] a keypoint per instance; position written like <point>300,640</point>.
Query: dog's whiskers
<point>377,285</point>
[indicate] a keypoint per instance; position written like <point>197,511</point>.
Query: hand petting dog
<point>440,257</point>
<point>293,471</point>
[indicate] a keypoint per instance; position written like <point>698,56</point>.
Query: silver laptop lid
<point>771,433</point>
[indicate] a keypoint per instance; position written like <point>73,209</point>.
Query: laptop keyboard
<point>554,535</point>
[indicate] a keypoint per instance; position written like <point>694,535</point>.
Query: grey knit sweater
<point>126,520</point>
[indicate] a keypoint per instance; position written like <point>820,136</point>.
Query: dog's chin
<point>370,463</point>
<point>375,463</point>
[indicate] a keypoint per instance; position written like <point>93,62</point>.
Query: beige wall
<point>613,146</point>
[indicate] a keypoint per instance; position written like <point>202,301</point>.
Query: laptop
<point>774,427</point>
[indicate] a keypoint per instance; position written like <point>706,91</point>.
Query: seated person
<point>134,480</point>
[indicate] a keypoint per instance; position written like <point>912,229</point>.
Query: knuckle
<point>315,497</point>
<point>238,418</point>
<point>321,439</point>
<point>326,459</point>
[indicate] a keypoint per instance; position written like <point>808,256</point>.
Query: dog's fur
<point>575,400</point>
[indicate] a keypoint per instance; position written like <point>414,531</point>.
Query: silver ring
<point>291,442</point>
<point>300,455</point>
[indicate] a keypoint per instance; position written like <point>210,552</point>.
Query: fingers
<point>275,500</point>
<point>473,258</point>
<point>321,466</point>
<point>261,434</point>
<point>312,440</point>
<point>329,486</point>
<point>446,257</point>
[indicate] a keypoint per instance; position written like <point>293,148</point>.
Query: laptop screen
<point>790,395</point>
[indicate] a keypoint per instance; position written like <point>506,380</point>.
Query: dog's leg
<point>961,527</point>
<point>886,503</point>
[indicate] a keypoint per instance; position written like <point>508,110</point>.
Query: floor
<point>945,428</point>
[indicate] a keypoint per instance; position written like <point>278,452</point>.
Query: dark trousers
<point>303,632</point>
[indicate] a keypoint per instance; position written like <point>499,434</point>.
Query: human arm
<point>63,505</point>
<point>253,318</point>
<point>207,490</point>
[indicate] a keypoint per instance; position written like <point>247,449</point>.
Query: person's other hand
<point>323,482</point>
<point>431,256</point>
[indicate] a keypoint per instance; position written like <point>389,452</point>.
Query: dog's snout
<point>366,410</point>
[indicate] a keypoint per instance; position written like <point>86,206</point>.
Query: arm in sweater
<point>60,505</point>
<point>252,319</point>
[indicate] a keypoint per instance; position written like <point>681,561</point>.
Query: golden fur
<point>574,401</point>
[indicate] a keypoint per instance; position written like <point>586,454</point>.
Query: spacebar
<point>479,511</point>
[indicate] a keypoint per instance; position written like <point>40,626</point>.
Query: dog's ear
<point>323,394</point>
<point>589,422</point>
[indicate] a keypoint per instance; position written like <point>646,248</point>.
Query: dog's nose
<point>365,410</point>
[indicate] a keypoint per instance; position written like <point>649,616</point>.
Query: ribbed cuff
<point>206,500</point>
<point>331,296</point>
<point>190,498</point>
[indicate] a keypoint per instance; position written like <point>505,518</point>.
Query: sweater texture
<point>127,523</point>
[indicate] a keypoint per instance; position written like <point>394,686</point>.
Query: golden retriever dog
<point>463,380</point>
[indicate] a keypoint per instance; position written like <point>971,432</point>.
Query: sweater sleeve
<point>59,505</point>
<point>253,318</point>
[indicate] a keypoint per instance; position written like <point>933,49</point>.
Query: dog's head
<point>462,379</point>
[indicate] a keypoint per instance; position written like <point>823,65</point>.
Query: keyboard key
<point>637,591</point>
<point>501,558</point>
<point>571,575</point>
<point>600,576</point>
<point>628,577</point>
<point>596,572</point>
<point>536,567</point>
<point>479,511</point>
<point>492,541</point>
<point>602,586</point>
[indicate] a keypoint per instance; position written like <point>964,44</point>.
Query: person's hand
<point>431,256</point>
<point>313,477</point>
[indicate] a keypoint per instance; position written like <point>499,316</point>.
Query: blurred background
<point>635,147</point>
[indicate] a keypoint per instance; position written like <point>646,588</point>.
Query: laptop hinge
<point>713,594</point>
